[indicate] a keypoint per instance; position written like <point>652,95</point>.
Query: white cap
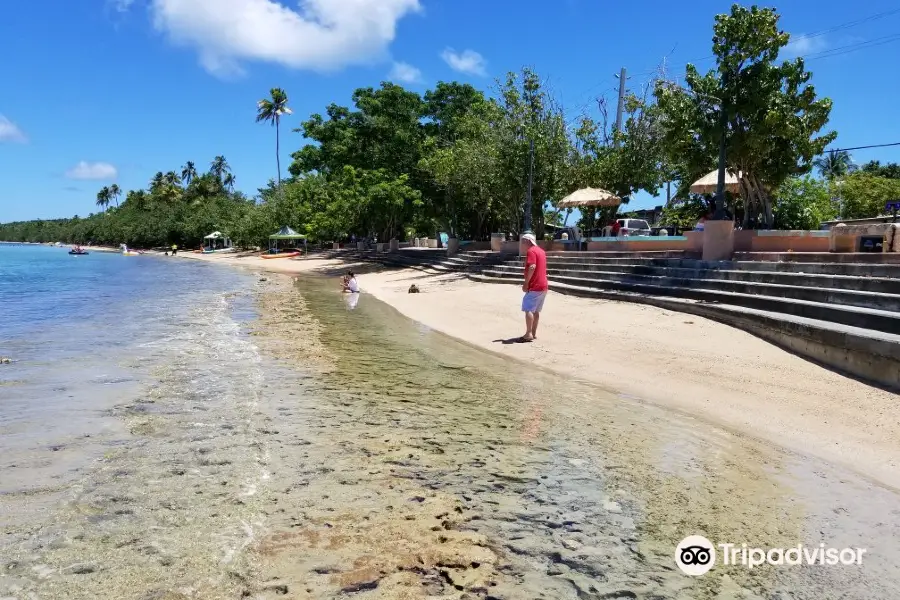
<point>529,237</point>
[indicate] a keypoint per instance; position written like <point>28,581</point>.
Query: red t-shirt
<point>538,258</point>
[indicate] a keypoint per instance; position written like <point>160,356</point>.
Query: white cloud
<point>800,45</point>
<point>321,35</point>
<point>467,61</point>
<point>89,170</point>
<point>10,132</point>
<point>405,73</point>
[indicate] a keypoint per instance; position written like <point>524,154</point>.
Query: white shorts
<point>533,302</point>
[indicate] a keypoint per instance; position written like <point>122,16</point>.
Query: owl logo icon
<point>695,555</point>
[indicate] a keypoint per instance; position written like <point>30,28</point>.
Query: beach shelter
<point>285,238</point>
<point>707,184</point>
<point>589,197</point>
<point>216,241</point>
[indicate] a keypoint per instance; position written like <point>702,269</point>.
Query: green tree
<point>834,165</point>
<point>684,213</point>
<point>271,110</point>
<point>804,203</point>
<point>103,198</point>
<point>115,192</point>
<point>188,173</point>
<point>219,168</point>
<point>888,170</point>
<point>863,195</point>
<point>767,111</point>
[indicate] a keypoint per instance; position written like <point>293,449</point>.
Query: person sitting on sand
<point>351,285</point>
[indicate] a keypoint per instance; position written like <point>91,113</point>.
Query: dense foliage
<point>396,164</point>
<point>176,208</point>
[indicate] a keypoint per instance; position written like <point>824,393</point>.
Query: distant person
<point>535,286</point>
<point>352,300</point>
<point>174,249</point>
<point>351,285</point>
<point>614,228</point>
<point>701,224</point>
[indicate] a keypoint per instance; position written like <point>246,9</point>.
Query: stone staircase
<point>841,310</point>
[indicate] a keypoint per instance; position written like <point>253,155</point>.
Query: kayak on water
<point>82,253</point>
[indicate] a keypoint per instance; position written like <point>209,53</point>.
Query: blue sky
<point>97,91</point>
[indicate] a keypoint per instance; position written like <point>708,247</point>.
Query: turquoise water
<point>86,333</point>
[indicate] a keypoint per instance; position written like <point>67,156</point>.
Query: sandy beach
<point>682,362</point>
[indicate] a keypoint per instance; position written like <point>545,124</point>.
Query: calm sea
<point>85,334</point>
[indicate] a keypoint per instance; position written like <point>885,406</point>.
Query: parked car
<point>630,227</point>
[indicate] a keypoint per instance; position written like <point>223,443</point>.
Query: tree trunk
<point>765,200</point>
<point>747,196</point>
<point>278,147</point>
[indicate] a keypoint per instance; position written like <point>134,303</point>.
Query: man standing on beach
<point>535,286</point>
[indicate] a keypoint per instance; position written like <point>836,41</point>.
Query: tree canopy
<point>395,163</point>
<point>767,111</point>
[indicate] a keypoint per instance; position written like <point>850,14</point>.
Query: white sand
<point>679,361</point>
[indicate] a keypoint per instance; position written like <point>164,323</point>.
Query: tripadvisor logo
<point>695,555</point>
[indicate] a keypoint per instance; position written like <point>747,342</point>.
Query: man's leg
<point>534,324</point>
<point>529,324</point>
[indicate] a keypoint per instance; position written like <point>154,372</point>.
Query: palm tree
<point>103,197</point>
<point>270,110</point>
<point>157,182</point>
<point>115,192</point>
<point>188,172</point>
<point>219,167</point>
<point>172,179</point>
<point>835,165</point>
<point>229,181</point>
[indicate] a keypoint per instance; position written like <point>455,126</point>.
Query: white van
<point>629,227</point>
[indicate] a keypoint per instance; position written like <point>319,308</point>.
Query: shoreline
<point>680,362</point>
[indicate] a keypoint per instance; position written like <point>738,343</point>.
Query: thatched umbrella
<point>589,197</point>
<point>709,182</point>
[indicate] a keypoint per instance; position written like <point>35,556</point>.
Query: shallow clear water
<point>84,334</point>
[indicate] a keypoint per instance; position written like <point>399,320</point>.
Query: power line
<point>864,147</point>
<point>853,47</point>
<point>812,35</point>
<point>847,25</point>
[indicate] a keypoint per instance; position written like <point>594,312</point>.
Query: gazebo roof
<point>215,235</point>
<point>589,197</point>
<point>286,233</point>
<point>708,183</point>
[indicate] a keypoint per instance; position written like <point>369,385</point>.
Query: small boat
<point>281,255</point>
<point>78,253</point>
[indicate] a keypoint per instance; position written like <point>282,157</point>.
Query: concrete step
<point>878,285</point>
<point>748,295</point>
<point>819,268</point>
<point>886,270</point>
<point>872,258</point>
<point>871,356</point>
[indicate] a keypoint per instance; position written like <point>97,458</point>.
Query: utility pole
<point>528,199</point>
<point>621,107</point>
<point>719,214</point>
